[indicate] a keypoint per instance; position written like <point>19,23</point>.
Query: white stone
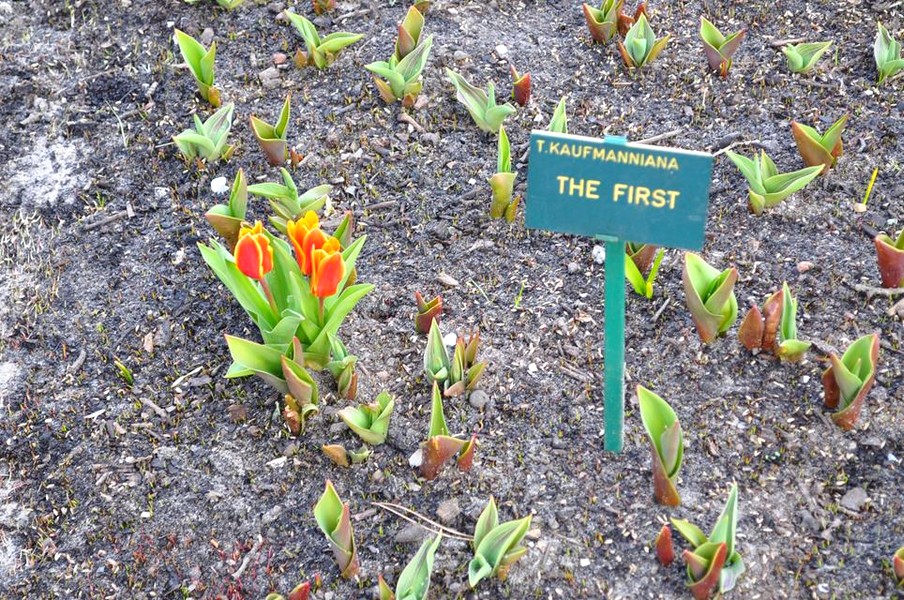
<point>219,186</point>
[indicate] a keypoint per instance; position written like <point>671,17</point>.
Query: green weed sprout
<point>400,79</point>
<point>200,62</point>
<point>803,57</point>
<point>704,565</point>
<point>333,517</point>
<point>503,182</point>
<point>667,442</point>
<point>887,52</point>
<point>768,187</point>
<point>719,48</point>
<point>440,446</point>
<point>641,46</point>
<point>414,581</point>
<point>285,201</point>
<point>849,379</point>
<point>603,21</point>
<point>481,105</point>
<point>496,546</point>
<point>227,218</point>
<point>559,121</point>
<point>370,421</point>
<point>272,138</point>
<point>890,256</point>
<point>819,149</point>
<point>710,296</point>
<point>643,286</point>
<point>321,52</point>
<point>779,316</point>
<point>208,139</point>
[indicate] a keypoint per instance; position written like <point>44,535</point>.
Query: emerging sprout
<point>779,315</point>
<point>890,256</point>
<point>370,421</point>
<point>409,33</point>
<point>559,121</point>
<point>323,6</point>
<point>458,374</point>
<point>898,565</point>
<point>401,79</point>
<point>768,187</point>
<point>710,296</point>
<point>208,139</point>
<point>346,458</point>
<point>603,21</point>
<point>503,182</point>
<point>200,62</point>
<point>625,21</point>
<point>440,446</point>
<point>427,312</point>
<point>496,546</point>
<point>300,592</point>
<point>285,201</point>
<point>642,255</point>
<point>227,218</point>
<point>665,553</point>
<point>803,57</point>
<point>481,105</point>
<point>272,138</point>
<point>642,285</point>
<point>342,368</point>
<point>848,380</point>
<point>520,87</point>
<point>667,443</point>
<point>641,46</point>
<point>719,48</point>
<point>321,52</point>
<point>704,559</point>
<point>816,148</point>
<point>333,518</point>
<point>414,581</point>
<point>887,52</point>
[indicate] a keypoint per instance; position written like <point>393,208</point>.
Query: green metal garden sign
<point>617,192</point>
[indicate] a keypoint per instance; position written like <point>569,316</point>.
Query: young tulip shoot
<point>819,149</point>
<point>643,285</point>
<point>414,581</point>
<point>887,52</point>
<point>227,218</point>
<point>302,591</point>
<point>665,552</point>
<point>625,21</point>
<point>496,546</point>
<point>285,201</point>
<point>667,442</point>
<point>333,517</point>
<point>789,347</point>
<point>849,379</point>
<point>400,79</point>
<point>719,48</point>
<point>603,21</point>
<point>897,562</point>
<point>890,256</point>
<point>503,182</point>
<point>200,62</point>
<point>480,104</point>
<point>409,33</point>
<point>345,458</point>
<point>370,421</point>
<point>208,139</point>
<point>342,368</point>
<point>803,57</point>
<point>704,554</point>
<point>427,312</point>
<point>704,569</point>
<point>641,255</point>
<point>440,446</point>
<point>759,328</point>
<point>768,187</point>
<point>641,46</point>
<point>710,296</point>
<point>272,138</point>
<point>559,121</point>
<point>321,52</point>
<point>520,87</point>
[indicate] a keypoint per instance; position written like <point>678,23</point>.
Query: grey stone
<point>448,511</point>
<point>854,499</point>
<point>478,399</point>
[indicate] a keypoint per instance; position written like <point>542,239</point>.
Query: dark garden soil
<point>162,490</point>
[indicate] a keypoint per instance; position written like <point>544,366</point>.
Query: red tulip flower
<point>328,269</point>
<point>253,254</point>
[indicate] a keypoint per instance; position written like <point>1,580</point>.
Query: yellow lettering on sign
<point>644,196</point>
<point>584,188</point>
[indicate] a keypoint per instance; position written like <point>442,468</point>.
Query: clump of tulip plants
<point>804,56</point>
<point>849,379</point>
<point>710,296</point>
<point>768,187</point>
<point>440,446</point>
<point>719,48</point>
<point>208,140</point>
<point>481,104</point>
<point>503,182</point>
<point>414,581</point>
<point>334,519</point>
<point>819,148</point>
<point>667,442</point>
<point>890,256</point>
<point>641,46</point>
<point>496,545</point>
<point>713,562</point>
<point>779,316</point>
<point>321,52</point>
<point>399,78</point>
<point>458,374</point>
<point>370,421</point>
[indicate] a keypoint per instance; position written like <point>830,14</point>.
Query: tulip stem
<point>269,295</point>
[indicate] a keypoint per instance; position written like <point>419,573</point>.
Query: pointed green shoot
<point>208,139</point>
<point>890,258</point>
<point>370,421</point>
<point>704,569</point>
<point>803,57</point>
<point>414,581</point>
<point>498,546</point>
<point>641,46</point>
<point>710,296</point>
<point>200,62</point>
<point>790,348</point>
<point>887,52</point>
<point>409,33</point>
<point>321,52</point>
<point>719,48</point>
<point>480,104</point>
<point>401,79</point>
<point>603,21</point>
<point>272,138</point>
<point>334,520</point>
<point>559,121</point>
<point>768,187</point>
<point>436,360</point>
<point>849,378</point>
<point>502,183</point>
<point>667,441</point>
<point>427,312</point>
<point>816,148</point>
<point>643,285</point>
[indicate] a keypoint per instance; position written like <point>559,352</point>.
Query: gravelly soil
<point>103,495</point>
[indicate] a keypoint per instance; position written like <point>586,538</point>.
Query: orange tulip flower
<point>297,231</point>
<point>253,254</point>
<point>328,269</point>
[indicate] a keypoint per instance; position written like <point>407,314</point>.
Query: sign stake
<point>614,349</point>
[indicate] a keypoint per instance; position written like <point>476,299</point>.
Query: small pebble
<point>599,255</point>
<point>501,51</point>
<point>219,185</point>
<point>279,58</point>
<point>573,267</point>
<point>804,266</point>
<point>448,511</point>
<point>460,56</point>
<point>478,399</point>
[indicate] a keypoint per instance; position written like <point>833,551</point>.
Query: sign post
<point>616,191</point>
